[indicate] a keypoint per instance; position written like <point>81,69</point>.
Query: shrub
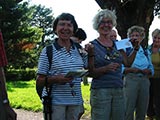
<point>25,75</point>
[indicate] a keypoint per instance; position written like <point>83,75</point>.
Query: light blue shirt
<point>142,60</point>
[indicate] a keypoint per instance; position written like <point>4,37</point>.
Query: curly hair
<point>105,13</point>
<point>138,29</point>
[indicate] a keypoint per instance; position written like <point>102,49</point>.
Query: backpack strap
<point>78,46</point>
<point>47,100</point>
<point>40,89</point>
<point>49,54</point>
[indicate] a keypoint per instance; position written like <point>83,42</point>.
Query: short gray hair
<point>138,29</point>
<point>105,13</point>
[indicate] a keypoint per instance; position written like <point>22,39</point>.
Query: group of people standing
<point>120,85</point>
<point>120,88</point>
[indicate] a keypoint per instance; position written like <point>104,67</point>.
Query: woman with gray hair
<point>107,97</point>
<point>136,76</point>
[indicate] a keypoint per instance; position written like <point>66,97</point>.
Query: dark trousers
<point>154,99</point>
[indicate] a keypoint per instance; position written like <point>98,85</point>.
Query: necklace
<point>111,54</point>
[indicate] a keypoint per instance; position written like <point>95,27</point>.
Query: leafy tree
<point>43,18</point>
<point>132,12</point>
<point>23,27</point>
<point>16,30</point>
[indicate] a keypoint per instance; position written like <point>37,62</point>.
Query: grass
<point>22,95</point>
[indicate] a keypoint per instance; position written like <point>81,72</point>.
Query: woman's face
<point>105,26</point>
<point>64,29</point>
<point>136,37</point>
<point>156,40</point>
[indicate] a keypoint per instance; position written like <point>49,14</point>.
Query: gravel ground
<point>28,115</point>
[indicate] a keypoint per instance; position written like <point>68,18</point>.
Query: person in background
<point>66,91</point>
<point>105,65</point>
<point>113,35</point>
<point>79,36</point>
<point>154,99</point>
<point>6,112</point>
<point>136,76</point>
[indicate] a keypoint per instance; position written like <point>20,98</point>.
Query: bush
<point>25,75</point>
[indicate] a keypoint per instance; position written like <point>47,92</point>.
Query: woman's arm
<point>96,72</point>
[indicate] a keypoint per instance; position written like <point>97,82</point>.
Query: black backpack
<point>49,55</point>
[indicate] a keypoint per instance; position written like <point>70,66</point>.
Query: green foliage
<point>157,7</point>
<point>23,28</point>
<point>16,31</point>
<point>25,75</point>
<point>22,95</point>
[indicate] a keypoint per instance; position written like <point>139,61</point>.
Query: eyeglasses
<point>109,22</point>
<point>72,88</point>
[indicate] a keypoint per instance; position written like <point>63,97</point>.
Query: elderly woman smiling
<point>107,97</point>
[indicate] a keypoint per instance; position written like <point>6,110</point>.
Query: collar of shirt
<point>58,47</point>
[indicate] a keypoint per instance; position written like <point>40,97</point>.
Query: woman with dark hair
<point>66,91</point>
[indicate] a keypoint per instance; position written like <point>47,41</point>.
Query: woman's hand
<point>146,72</point>
<point>89,48</point>
<point>135,43</point>
<point>112,67</point>
<point>132,70</point>
<point>62,79</point>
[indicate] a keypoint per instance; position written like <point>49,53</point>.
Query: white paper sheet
<point>124,43</point>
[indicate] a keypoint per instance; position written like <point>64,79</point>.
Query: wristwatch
<point>5,101</point>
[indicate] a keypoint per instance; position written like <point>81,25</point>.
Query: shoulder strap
<point>78,45</point>
<point>49,55</point>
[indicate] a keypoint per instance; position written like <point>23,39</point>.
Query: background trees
<point>23,27</point>
<point>132,12</point>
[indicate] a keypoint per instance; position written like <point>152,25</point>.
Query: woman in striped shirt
<point>66,91</point>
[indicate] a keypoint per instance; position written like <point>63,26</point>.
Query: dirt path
<point>28,115</point>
